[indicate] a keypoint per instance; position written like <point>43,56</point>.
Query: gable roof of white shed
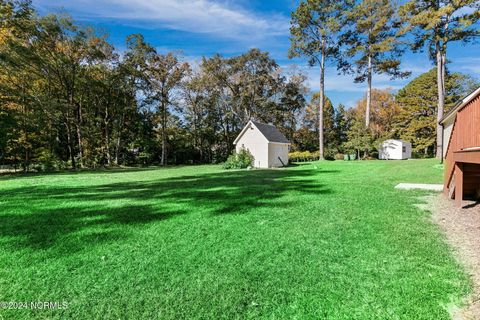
<point>396,140</point>
<point>269,131</point>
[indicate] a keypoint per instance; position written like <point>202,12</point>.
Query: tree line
<point>70,99</point>
<point>366,38</point>
<point>409,114</point>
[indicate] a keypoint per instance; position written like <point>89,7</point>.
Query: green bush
<point>330,153</point>
<point>302,156</point>
<point>240,160</point>
<point>297,156</point>
<point>46,161</point>
<point>339,156</point>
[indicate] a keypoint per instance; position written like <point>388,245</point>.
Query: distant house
<point>268,145</point>
<point>461,149</point>
<point>392,149</point>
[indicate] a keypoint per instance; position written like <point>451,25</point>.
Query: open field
<point>325,240</point>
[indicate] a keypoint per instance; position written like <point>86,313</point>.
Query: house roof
<point>396,140</point>
<point>269,131</point>
<point>399,141</point>
<point>459,106</point>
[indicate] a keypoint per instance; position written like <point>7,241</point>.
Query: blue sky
<point>199,28</point>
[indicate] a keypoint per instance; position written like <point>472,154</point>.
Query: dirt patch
<point>462,228</point>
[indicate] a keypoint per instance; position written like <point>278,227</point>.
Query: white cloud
<point>467,10</point>
<point>470,65</point>
<point>345,83</point>
<point>417,67</point>
<point>199,16</point>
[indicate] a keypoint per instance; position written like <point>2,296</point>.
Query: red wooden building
<point>461,136</point>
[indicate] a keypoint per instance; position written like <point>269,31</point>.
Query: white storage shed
<point>395,150</point>
<point>268,146</point>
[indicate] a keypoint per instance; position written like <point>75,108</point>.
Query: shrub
<point>339,156</point>
<point>300,156</point>
<point>303,156</point>
<point>329,153</point>
<point>46,161</point>
<point>240,160</point>
<point>314,155</point>
<point>38,167</point>
<point>144,157</point>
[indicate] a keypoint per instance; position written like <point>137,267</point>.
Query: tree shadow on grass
<point>20,174</point>
<point>70,218</point>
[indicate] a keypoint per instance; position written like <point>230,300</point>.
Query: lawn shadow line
<point>222,193</point>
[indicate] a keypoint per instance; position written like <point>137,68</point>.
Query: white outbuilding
<point>268,146</point>
<point>392,149</point>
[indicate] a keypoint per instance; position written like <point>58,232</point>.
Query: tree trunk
<point>78,126</point>
<point>441,99</point>
<point>107,139</point>
<point>80,145</point>
<point>119,139</point>
<point>163,160</point>
<point>194,131</point>
<point>26,160</point>
<point>107,149</point>
<point>164,145</point>
<point>322,103</point>
<point>69,144</point>
<point>117,149</point>
<point>26,148</point>
<point>71,99</point>
<point>369,92</point>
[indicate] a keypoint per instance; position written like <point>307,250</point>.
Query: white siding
<point>257,144</point>
<point>447,132</point>
<point>407,154</point>
<point>276,151</point>
<point>395,150</point>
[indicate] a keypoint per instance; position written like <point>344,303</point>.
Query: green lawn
<point>325,240</point>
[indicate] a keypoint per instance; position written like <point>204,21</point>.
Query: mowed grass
<point>328,240</point>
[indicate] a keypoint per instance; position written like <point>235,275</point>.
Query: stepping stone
<point>420,186</point>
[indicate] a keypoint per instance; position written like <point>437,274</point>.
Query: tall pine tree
<point>372,44</point>
<point>315,29</point>
<point>435,24</point>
